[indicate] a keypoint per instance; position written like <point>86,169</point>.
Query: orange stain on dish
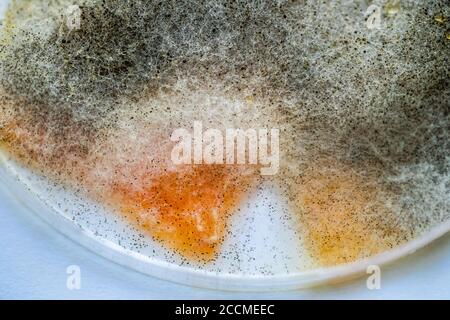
<point>342,217</point>
<point>187,209</point>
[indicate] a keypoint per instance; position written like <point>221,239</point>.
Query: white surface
<point>34,258</point>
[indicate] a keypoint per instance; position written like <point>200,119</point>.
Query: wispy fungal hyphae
<point>363,113</point>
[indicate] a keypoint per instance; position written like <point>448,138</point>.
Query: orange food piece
<point>186,209</point>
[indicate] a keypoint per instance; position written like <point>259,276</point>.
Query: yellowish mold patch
<point>343,216</point>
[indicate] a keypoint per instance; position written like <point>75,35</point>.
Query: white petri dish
<point>270,257</point>
<point>266,258</point>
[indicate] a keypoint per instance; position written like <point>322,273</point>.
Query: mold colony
<point>363,113</point>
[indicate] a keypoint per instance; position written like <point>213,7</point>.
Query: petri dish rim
<point>30,200</point>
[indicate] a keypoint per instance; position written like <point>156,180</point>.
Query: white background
<point>34,258</point>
